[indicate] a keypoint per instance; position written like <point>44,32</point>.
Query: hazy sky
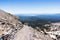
<point>30,6</point>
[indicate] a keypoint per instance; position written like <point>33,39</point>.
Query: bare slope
<point>9,25</point>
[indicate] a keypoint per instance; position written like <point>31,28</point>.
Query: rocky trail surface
<point>28,33</point>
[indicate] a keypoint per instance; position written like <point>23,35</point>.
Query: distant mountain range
<point>39,19</point>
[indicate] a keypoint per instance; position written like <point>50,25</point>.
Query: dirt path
<point>24,34</point>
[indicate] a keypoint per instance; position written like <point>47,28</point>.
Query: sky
<point>30,6</point>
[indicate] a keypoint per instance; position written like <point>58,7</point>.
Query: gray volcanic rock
<point>9,25</point>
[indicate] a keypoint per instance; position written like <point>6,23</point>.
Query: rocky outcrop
<point>54,32</point>
<point>9,25</point>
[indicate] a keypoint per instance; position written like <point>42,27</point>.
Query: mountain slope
<point>9,25</point>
